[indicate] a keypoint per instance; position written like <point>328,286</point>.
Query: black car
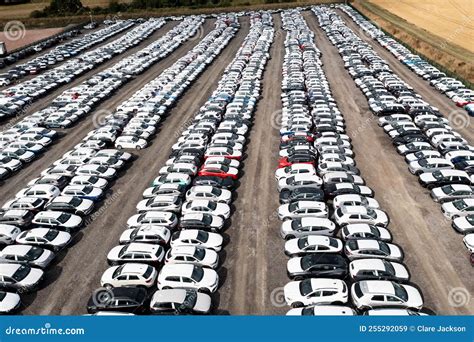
<point>304,193</point>
<point>320,265</point>
<point>60,182</point>
<point>409,138</point>
<point>226,183</point>
<point>122,299</point>
<point>333,190</point>
<point>467,165</point>
<point>203,223</point>
<point>70,206</point>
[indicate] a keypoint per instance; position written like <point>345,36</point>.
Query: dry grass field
<point>450,20</point>
<point>415,22</point>
<point>28,37</point>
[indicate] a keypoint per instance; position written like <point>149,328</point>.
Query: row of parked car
<point>47,213</point>
<point>342,258</point>
<point>61,53</point>
<point>440,157</point>
<point>22,142</point>
<point>451,87</point>
<point>14,98</point>
<point>184,212</point>
<point>30,50</point>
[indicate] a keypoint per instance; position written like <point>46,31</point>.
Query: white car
<point>322,310</point>
<point>369,294</point>
<point>365,231</point>
<point>129,274</point>
<point>58,219</point>
<point>452,192</point>
<point>469,242</point>
<point>429,165</point>
<point>306,226</point>
<point>424,154</point>
<point>457,208</point>
<point>96,182</point>
<point>312,244</point>
<point>208,192</point>
<point>207,207</point>
<point>367,248</point>
<point>96,170</point>
<point>314,291</point>
<point>176,301</point>
<point>188,276</point>
<point>20,277</point>
<point>299,180</point>
<point>464,224</point>
<point>160,203</point>
<point>195,255</point>
<point>342,177</point>
<point>160,218</point>
<point>354,200</point>
<point>295,169</point>
<point>8,233</point>
<point>43,191</point>
<point>393,312</point>
<point>359,214</point>
<point>25,254</point>
<point>302,209</point>
<point>45,237</point>
<point>378,269</point>
<point>147,234</point>
<point>9,302</point>
<point>145,253</point>
<point>195,237</point>
<point>222,161</point>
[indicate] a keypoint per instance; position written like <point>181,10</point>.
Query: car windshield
<point>199,253</point>
<point>293,206</point>
<point>333,242</point>
<point>305,287</point>
<point>447,189</point>
<point>437,175</point>
<point>93,179</point>
<point>21,273</point>
<point>34,253</point>
<point>470,219</point>
<point>308,311</point>
<point>202,236</point>
<point>148,272</point>
<point>460,205</point>
<point>198,273</point>
<point>303,242</point>
<point>375,232</point>
<point>51,234</point>
<point>102,169</point>
<point>190,298</point>
<point>216,191</point>
<point>384,247</point>
<point>64,217</point>
<point>212,205</point>
<point>75,201</point>
<point>389,267</point>
<point>400,292</point>
<point>87,189</point>
<point>295,224</point>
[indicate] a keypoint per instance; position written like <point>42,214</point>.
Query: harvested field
<point>26,37</point>
<point>442,49</point>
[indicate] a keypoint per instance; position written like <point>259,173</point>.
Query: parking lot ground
<point>458,117</point>
<point>255,261</point>
<point>434,252</point>
<point>46,100</point>
<point>70,283</point>
<point>73,135</point>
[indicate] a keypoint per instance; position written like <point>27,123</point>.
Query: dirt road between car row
<point>433,251</point>
<point>71,282</point>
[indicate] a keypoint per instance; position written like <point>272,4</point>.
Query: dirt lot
<point>448,19</point>
<point>433,251</point>
<point>254,265</point>
<point>77,274</point>
<point>16,39</point>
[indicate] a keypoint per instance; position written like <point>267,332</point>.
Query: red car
<point>288,161</point>
<point>308,136</point>
<point>222,171</point>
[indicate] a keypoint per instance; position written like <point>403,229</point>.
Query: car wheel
<point>138,148</point>
<point>119,147</point>
<point>166,288</point>
<point>297,305</point>
<point>338,303</point>
<point>289,237</point>
<point>298,278</point>
<point>108,286</point>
